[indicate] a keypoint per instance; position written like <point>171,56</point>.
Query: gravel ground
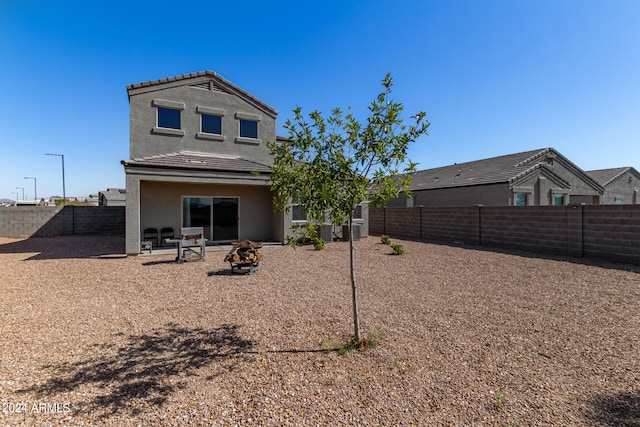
<point>473,337</point>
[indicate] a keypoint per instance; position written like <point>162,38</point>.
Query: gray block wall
<point>610,232</point>
<point>45,221</point>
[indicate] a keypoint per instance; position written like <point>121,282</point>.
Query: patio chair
<point>151,235</point>
<point>166,233</point>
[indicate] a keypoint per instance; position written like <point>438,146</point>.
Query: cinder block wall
<point>104,220</point>
<point>612,232</point>
<point>451,223</point>
<point>433,223</point>
<point>532,228</point>
<point>45,221</point>
<point>597,231</point>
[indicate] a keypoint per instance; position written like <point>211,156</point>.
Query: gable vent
<point>203,85</point>
<point>210,85</point>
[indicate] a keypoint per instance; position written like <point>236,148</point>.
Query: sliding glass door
<point>225,218</point>
<point>218,216</point>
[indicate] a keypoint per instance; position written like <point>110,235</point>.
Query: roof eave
<point>141,87</point>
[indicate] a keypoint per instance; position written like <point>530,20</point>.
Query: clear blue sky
<point>495,76</point>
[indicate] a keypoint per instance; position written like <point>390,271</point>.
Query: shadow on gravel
<point>66,247</point>
<point>621,409</point>
<point>144,371</point>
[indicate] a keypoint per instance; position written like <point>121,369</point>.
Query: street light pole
<point>64,195</point>
<point>17,195</point>
<point>21,188</point>
<point>35,186</point>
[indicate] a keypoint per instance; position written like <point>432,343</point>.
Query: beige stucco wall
<point>161,206</point>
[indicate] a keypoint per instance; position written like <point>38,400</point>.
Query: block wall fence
<point>610,232</point>
<point>49,221</point>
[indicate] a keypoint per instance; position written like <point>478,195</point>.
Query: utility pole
<point>64,195</point>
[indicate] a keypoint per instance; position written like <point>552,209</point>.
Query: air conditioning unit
<point>326,232</point>
<point>357,232</point>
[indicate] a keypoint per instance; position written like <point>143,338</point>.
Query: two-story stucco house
<point>537,177</point>
<point>198,157</point>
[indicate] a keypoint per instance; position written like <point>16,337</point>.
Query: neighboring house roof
<point>503,169</point>
<point>218,82</point>
<point>201,161</point>
<point>114,194</point>
<point>607,176</point>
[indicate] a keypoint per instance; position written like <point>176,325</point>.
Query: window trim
<point>202,110</point>
<point>171,105</point>
<point>248,117</point>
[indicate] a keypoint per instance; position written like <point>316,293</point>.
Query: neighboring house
<point>112,197</point>
<point>90,200</point>
<point>537,177</point>
<point>198,158</point>
<point>621,185</point>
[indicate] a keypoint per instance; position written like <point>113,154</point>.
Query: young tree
<point>331,165</point>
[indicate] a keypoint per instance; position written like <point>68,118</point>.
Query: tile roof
<point>508,168</point>
<point>606,176</point>
<point>198,161</point>
<point>114,193</point>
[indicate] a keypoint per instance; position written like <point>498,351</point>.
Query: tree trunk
<point>354,289</point>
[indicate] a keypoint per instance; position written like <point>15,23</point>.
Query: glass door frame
<point>210,237</point>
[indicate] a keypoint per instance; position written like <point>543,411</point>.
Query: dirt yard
<point>468,337</point>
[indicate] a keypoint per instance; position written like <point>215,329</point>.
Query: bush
<point>318,244</point>
<point>398,249</point>
<point>385,239</point>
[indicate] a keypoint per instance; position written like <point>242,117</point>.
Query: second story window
<point>168,118</point>
<point>248,128</point>
<point>211,124</point>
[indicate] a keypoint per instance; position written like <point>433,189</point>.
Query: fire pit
<point>191,244</point>
<point>244,257</point>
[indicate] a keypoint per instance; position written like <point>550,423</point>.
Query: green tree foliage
<point>329,165</point>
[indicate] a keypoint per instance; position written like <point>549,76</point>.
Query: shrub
<point>398,249</point>
<point>318,244</point>
<point>374,338</point>
<point>385,239</point>
<point>371,340</point>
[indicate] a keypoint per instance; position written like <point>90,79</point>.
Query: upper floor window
<point>248,129</point>
<point>168,118</point>
<point>558,199</point>
<point>211,124</point>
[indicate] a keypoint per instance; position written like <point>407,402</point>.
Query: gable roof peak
<point>607,176</point>
<point>221,81</point>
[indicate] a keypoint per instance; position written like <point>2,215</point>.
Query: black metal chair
<point>166,233</point>
<point>150,234</point>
